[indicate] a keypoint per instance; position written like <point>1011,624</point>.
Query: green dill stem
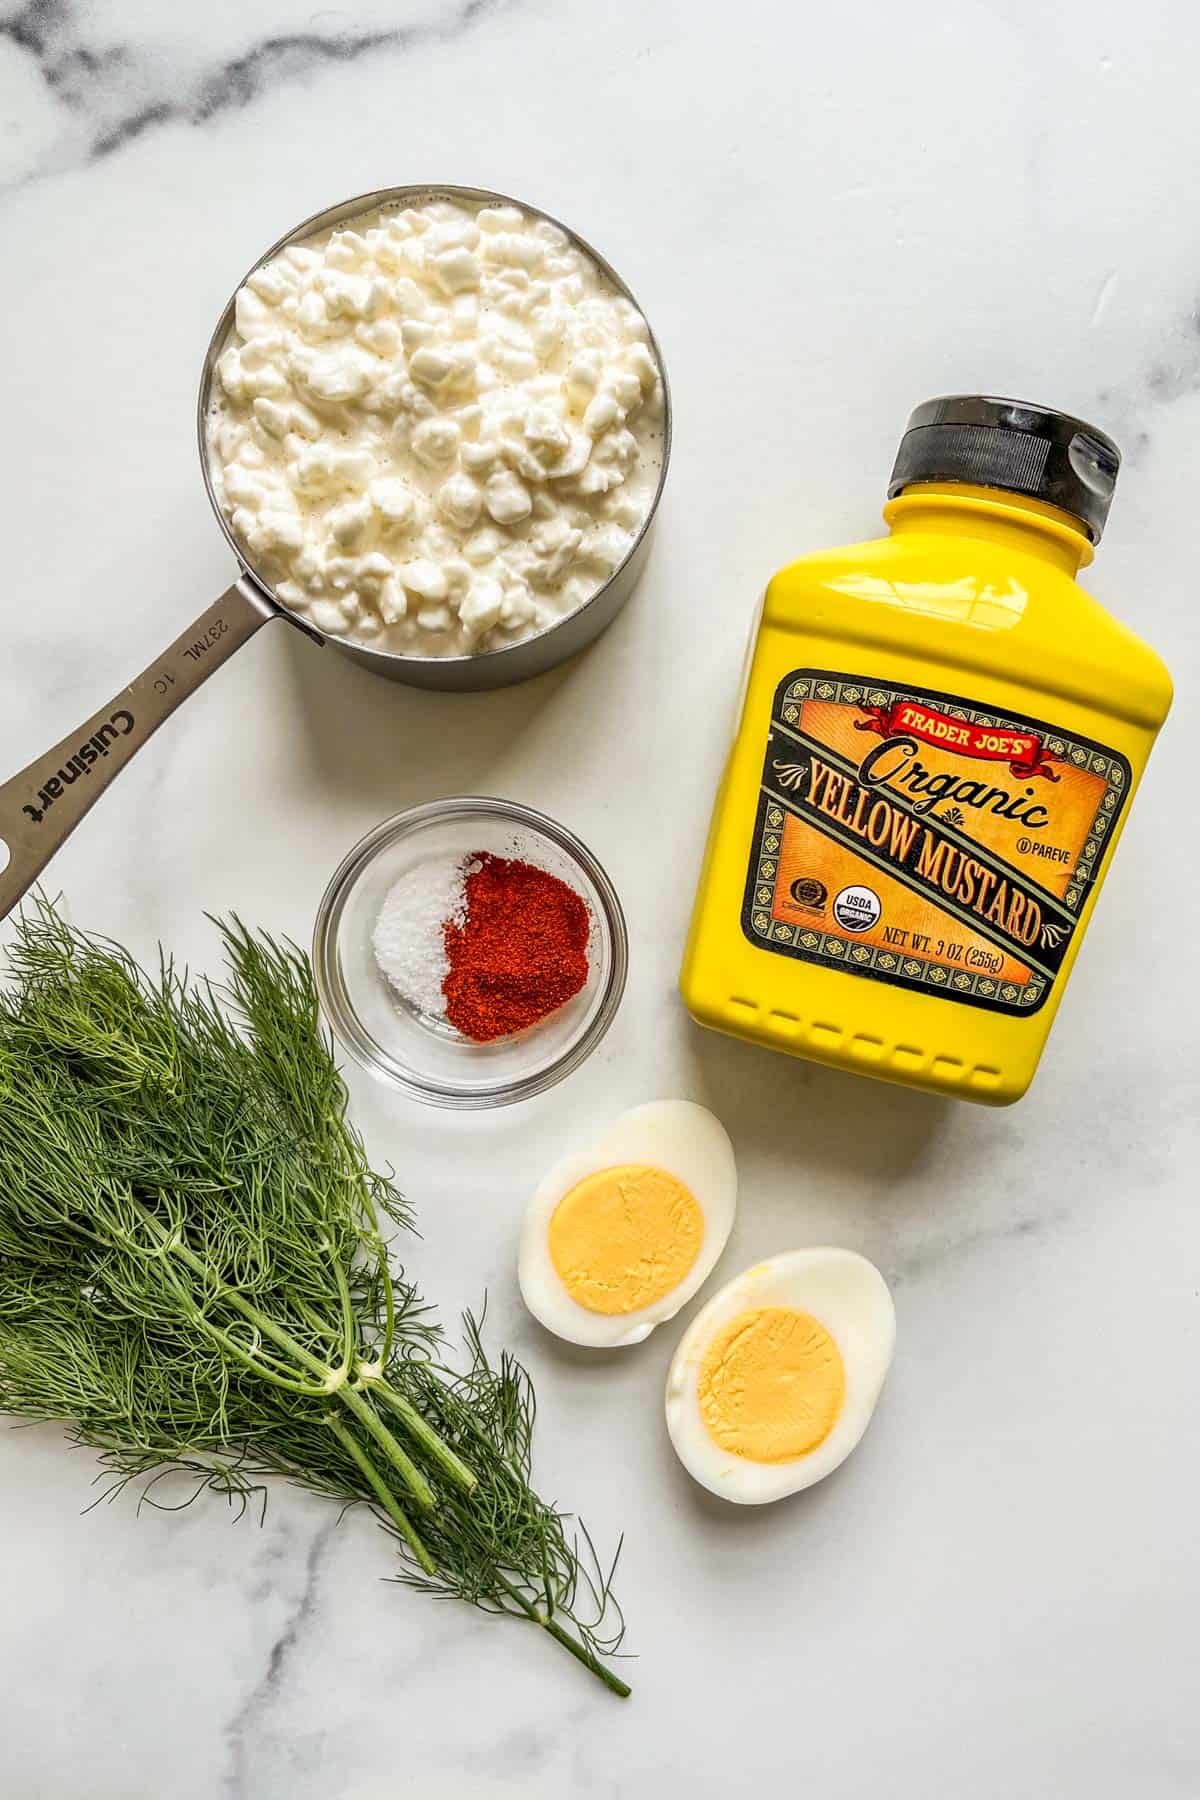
<point>349,1323</point>
<point>311,1390</point>
<point>416,1425</point>
<point>350,1150</point>
<point>579,1651</point>
<point>389,1298</point>
<point>321,1326</point>
<point>383,1494</point>
<point>420,1489</point>
<point>422,1433</point>
<point>365,1413</point>
<point>231,1297</point>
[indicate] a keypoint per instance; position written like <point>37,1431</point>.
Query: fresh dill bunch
<point>194,1275</point>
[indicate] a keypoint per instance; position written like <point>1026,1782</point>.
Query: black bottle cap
<point>1011,444</point>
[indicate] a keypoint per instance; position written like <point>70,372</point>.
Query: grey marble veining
<point>248,1724</point>
<point>115,88</point>
<point>829,217</point>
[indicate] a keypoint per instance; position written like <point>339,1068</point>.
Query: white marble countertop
<point>829,216</point>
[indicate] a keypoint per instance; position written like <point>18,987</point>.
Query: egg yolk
<point>622,1238</point>
<point>771,1385</point>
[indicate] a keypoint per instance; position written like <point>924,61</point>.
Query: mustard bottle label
<point>913,837</point>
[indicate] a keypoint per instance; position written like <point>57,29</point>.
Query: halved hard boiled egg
<point>619,1236</point>
<point>776,1379</point>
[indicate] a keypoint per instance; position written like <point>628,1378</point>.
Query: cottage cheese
<point>438,429</point>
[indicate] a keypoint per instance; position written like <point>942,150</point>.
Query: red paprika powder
<point>518,953</point>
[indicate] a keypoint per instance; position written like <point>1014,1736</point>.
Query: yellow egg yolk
<point>622,1238</point>
<point>771,1385</point>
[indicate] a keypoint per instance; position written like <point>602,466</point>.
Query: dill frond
<point>194,1277</point>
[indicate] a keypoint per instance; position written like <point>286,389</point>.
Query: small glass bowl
<point>427,1058</point>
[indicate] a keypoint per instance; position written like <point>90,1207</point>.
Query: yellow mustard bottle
<point>939,739</point>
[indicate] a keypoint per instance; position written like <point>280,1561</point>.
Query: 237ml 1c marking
<point>201,646</point>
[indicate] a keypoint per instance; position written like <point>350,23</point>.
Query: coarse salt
<point>409,939</point>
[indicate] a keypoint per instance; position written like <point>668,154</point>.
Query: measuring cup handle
<point>40,807</point>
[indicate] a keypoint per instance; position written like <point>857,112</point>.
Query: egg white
<point>675,1135</point>
<point>849,1297</point>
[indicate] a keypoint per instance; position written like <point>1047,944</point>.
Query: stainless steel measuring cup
<point>41,806</point>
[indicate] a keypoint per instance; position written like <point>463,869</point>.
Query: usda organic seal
<point>857,908</point>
